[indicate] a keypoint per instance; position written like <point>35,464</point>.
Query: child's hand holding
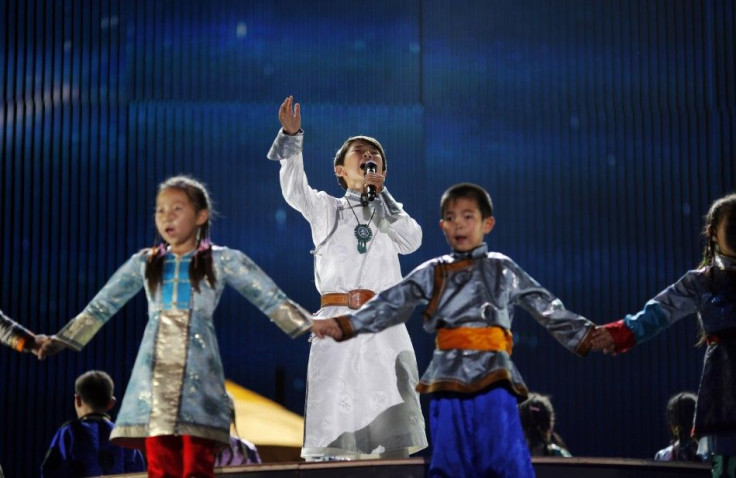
<point>49,346</point>
<point>326,328</point>
<point>601,340</point>
<point>374,179</point>
<point>290,116</point>
<point>38,341</point>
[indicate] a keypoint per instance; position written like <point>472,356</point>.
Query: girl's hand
<point>50,346</point>
<point>290,116</point>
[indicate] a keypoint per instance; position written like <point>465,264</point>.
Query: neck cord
<point>363,232</point>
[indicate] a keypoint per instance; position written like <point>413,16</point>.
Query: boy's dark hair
<point>340,155</point>
<point>468,191</point>
<point>201,265</point>
<point>95,388</point>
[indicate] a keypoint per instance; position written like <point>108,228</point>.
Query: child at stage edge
<point>708,293</point>
<point>239,451</point>
<point>538,421</point>
<point>175,404</point>
<point>680,415</point>
<point>360,400</point>
<point>82,447</point>
<point>470,296</point>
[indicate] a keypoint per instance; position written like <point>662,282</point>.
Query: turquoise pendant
<point>364,234</point>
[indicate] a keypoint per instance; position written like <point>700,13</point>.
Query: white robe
<point>361,400</point>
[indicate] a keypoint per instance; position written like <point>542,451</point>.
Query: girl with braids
<point>680,413</point>
<point>709,292</point>
<point>538,421</point>
<point>175,405</point>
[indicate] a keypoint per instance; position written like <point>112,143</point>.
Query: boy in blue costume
<point>82,447</point>
<point>473,383</point>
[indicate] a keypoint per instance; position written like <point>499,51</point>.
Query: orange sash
<point>475,338</point>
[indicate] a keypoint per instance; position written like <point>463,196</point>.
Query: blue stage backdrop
<point>602,130</point>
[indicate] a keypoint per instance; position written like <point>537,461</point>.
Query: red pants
<point>183,456</point>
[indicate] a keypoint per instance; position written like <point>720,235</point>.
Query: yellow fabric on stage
<point>263,421</point>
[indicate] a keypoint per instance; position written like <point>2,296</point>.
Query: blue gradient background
<point>603,130</point>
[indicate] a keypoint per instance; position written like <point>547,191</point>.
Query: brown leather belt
<point>353,299</point>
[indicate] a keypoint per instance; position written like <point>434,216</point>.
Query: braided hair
<point>201,265</point>
<point>680,415</point>
<point>721,209</point>
<point>538,419</point>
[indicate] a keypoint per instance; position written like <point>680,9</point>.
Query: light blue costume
<point>177,386</point>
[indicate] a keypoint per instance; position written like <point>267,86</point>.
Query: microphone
<point>368,167</point>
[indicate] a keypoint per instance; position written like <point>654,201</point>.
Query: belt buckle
<point>354,297</point>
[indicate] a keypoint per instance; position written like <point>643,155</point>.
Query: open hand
<point>326,328</point>
<point>290,116</point>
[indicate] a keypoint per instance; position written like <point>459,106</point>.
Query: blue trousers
<point>477,435</point>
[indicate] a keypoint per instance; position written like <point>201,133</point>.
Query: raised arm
<point>290,116</point>
<point>317,207</point>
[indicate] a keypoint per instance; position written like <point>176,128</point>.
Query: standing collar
<point>95,416</point>
<point>479,251</point>
<point>352,194</point>
<point>186,255</point>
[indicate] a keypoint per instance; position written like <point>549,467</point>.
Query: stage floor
<point>416,468</point>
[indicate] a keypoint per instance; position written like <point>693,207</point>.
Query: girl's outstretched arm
<point>602,341</point>
<point>245,276</point>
